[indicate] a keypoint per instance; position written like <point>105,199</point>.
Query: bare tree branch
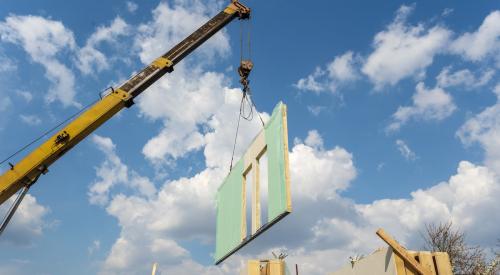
<point>464,259</point>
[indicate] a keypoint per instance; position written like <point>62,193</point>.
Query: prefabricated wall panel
<point>232,202</point>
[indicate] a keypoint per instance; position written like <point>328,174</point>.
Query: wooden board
<point>401,252</point>
<point>425,259</point>
<point>443,263</point>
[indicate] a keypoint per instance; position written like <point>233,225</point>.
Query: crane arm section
<point>28,170</point>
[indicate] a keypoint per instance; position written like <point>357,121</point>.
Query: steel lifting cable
<point>10,212</point>
<point>53,128</point>
<point>244,70</point>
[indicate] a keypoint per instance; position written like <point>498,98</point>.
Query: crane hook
<point>244,70</point>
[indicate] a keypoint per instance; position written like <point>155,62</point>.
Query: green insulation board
<point>231,225</point>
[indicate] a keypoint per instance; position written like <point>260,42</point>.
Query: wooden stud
<point>400,265</point>
<point>244,208</point>
<point>253,267</point>
<point>287,167</point>
<point>401,251</point>
<point>255,197</point>
<point>425,258</point>
<point>443,263</point>
<point>276,267</point>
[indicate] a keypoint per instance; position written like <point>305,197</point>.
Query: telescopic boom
<point>26,172</point>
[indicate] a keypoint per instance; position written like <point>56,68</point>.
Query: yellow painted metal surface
<point>30,167</point>
<point>162,62</point>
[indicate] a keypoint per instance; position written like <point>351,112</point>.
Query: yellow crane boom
<point>26,172</point>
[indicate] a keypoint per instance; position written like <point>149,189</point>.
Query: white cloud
<point>190,103</point>
<point>447,12</point>
<point>5,103</point>
<point>186,99</point>
<point>342,67</point>
<point>6,64</point>
<point>43,39</point>
<point>403,50</point>
<point>335,166</point>
<point>483,42</point>
<point>428,104</point>
<point>484,128</point>
<point>496,90</point>
<point>89,58</point>
<point>94,247</point>
<point>184,209</point>
<point>28,222</point>
<point>311,82</point>
<point>132,6</point>
<point>340,71</point>
<point>113,172</point>
<point>463,78</point>
<point>466,199</point>
<point>30,119</point>
<point>27,96</point>
<point>316,110</point>
<point>314,139</point>
<point>405,150</point>
<point>171,24</point>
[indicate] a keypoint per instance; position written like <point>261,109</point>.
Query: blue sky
<point>393,115</point>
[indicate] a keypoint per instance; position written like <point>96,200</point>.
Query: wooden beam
<point>401,252</point>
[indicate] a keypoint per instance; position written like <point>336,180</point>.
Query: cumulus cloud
<point>485,41</point>
<point>403,50</point>
<point>428,104</point>
<point>464,78</point>
<point>186,99</point>
<point>462,199</point>
<point>28,222</point>
<point>311,83</point>
<point>484,129</point>
<point>309,159</point>
<point>190,103</point>
<point>323,225</point>
<point>44,39</point>
<point>338,72</point>
<point>113,172</point>
<point>89,59</point>
<point>184,209</point>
